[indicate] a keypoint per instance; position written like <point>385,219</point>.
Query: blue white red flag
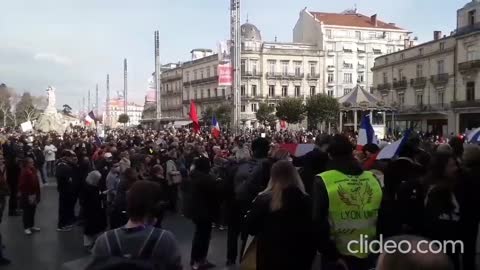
<point>215,128</point>
<point>366,134</point>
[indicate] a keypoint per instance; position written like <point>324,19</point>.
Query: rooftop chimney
<point>437,35</point>
<point>373,20</point>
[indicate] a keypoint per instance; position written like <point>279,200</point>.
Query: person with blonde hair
<point>281,220</point>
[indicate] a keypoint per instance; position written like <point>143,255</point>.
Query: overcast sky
<point>73,44</point>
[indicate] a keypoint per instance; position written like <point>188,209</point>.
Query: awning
<point>179,124</point>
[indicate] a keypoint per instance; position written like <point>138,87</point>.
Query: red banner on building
<point>225,75</point>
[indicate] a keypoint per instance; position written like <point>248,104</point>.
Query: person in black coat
<point>94,211</point>
<point>204,205</point>
<point>281,220</point>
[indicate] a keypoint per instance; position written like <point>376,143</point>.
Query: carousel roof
<point>359,98</point>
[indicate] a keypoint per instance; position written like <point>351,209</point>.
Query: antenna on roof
<point>247,17</point>
<point>275,38</point>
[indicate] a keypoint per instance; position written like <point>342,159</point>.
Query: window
<point>242,90</point>
<point>284,91</point>
<point>442,46</point>
<point>201,74</point>
<point>254,107</point>
<point>473,53</point>
<point>187,75</point>
<point>441,98</point>
<point>271,90</point>
<point>471,17</point>
<point>330,77</point>
<point>242,66</point>
<point>297,91</point>
<point>208,72</point>
<point>419,70</point>
<point>361,78</point>
<point>358,35</point>
<point>419,99</point>
<point>347,77</point>
<point>285,68</point>
<point>312,91</point>
<point>215,92</point>
<point>254,90</point>
<point>242,108</point>
<point>223,92</point>
<point>208,93</point>
<point>420,51</point>
<point>330,92</point>
<point>402,56</point>
<point>470,91</point>
<point>385,78</point>
<point>298,68</point>
<point>214,70</point>
<point>194,74</point>
<point>347,90</point>
<point>313,68</point>
<point>254,66</point>
<point>271,66</point>
<point>440,67</point>
<point>400,74</point>
<point>401,99</point>
<point>386,60</point>
<point>329,33</point>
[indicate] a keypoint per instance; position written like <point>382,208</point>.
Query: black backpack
<point>119,261</point>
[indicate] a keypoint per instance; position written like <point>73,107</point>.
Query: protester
<point>94,210</point>
<point>118,216</point>
<point>65,173</point>
<point>202,210</point>
<point>345,188</point>
<point>49,151</point>
<point>280,219</point>
<point>138,244</point>
<point>29,187</point>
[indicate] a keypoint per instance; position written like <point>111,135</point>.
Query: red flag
<point>194,116</point>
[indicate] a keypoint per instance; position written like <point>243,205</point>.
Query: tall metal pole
<point>89,108</point>
<point>83,104</point>
<point>125,86</point>
<point>236,52</point>
<point>107,103</point>
<point>158,99</point>
<point>96,100</point>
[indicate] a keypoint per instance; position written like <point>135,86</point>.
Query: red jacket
<point>28,182</point>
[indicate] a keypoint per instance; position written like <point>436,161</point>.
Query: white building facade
<point>171,92</point>
<point>351,41</point>
<point>434,86</point>
<point>134,112</point>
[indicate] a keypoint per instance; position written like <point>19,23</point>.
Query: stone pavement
<point>49,249</point>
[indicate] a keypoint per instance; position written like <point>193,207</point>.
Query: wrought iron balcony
<point>251,74</point>
<point>466,103</point>
<point>384,86</point>
<point>399,85</point>
<point>423,108</point>
<point>419,82</point>
<point>273,75</point>
<point>470,66</point>
<point>313,76</point>
<point>440,79</point>
<point>203,80</point>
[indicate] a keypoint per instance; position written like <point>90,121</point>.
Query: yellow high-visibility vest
<point>354,201</point>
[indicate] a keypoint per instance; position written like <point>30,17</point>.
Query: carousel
<point>358,103</point>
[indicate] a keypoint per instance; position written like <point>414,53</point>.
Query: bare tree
<point>14,100</point>
<point>5,94</point>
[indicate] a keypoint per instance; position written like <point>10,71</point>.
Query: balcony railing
<point>347,66</point>
<point>251,74</point>
<point>419,82</point>
<point>313,76</point>
<point>469,66</point>
<point>466,103</point>
<point>440,79</point>
<point>398,85</point>
<point>424,108</point>
<point>384,86</point>
<point>360,66</point>
<point>173,77</point>
<point>204,80</point>
<point>331,67</point>
<point>273,75</point>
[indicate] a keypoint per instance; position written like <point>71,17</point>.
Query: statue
<point>50,97</point>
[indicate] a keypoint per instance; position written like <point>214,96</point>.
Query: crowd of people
<point>121,188</point>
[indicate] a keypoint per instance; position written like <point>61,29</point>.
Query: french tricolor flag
<point>366,134</point>
<point>297,149</point>
<point>392,150</point>
<point>215,128</point>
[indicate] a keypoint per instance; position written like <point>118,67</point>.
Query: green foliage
<point>291,110</point>
<point>222,113</point>
<point>123,118</point>
<point>265,114</point>
<point>321,108</point>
